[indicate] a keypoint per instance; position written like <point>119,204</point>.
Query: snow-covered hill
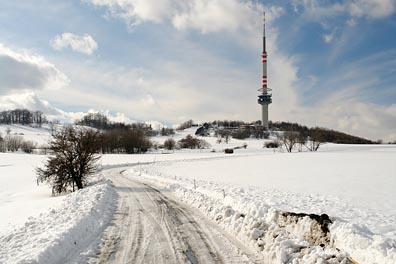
<point>39,135</point>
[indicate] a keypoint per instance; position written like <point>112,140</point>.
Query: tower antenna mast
<point>265,98</point>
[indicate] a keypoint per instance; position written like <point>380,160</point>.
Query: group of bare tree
<point>22,116</point>
<point>189,142</point>
<point>167,131</point>
<point>13,143</point>
<point>310,140</point>
<point>96,120</point>
<point>129,141</point>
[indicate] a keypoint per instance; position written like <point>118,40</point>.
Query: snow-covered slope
<point>39,135</point>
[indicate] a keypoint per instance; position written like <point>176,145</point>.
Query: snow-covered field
<point>39,135</point>
<point>353,184</point>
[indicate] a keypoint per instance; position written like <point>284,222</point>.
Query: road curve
<point>149,226</point>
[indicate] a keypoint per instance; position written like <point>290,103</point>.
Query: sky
<point>330,63</point>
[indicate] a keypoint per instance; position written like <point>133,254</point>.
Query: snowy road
<point>151,227</point>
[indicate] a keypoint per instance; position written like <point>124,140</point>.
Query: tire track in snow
<point>150,227</point>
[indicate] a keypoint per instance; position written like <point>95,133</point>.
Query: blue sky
<point>331,63</point>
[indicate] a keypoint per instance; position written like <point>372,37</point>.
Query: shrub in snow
<point>28,146</point>
<point>241,134</point>
<point>192,143</point>
<point>170,144</point>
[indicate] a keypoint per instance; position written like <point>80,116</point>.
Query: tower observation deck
<point>265,98</point>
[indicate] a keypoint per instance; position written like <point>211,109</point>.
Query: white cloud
<point>30,100</point>
<point>372,8</point>
<point>148,100</point>
<point>155,125</point>
<point>328,38</point>
<point>213,16</point>
<point>375,9</point>
<point>202,15</point>
<point>344,111</point>
<point>177,91</point>
<point>83,44</point>
<point>349,106</point>
<point>134,12</point>
<point>351,22</point>
<point>19,70</point>
<point>117,117</point>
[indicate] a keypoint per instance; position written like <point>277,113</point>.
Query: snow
<point>53,236</point>
<point>245,193</point>
<point>352,184</point>
<point>39,135</point>
<point>20,197</point>
<point>361,178</point>
<point>38,228</point>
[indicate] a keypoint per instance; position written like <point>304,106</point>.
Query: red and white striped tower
<point>265,98</point>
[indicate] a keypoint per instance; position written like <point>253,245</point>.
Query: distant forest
<point>235,128</point>
<point>326,135</point>
<point>100,121</point>
<point>240,129</point>
<point>22,116</point>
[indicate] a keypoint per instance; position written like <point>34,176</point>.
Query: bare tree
<point>73,159</point>
<point>315,140</point>
<point>289,139</point>
<point>301,140</point>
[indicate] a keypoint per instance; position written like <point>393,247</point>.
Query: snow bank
<point>20,197</point>
<point>63,234</point>
<point>362,243</point>
<point>244,212</point>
